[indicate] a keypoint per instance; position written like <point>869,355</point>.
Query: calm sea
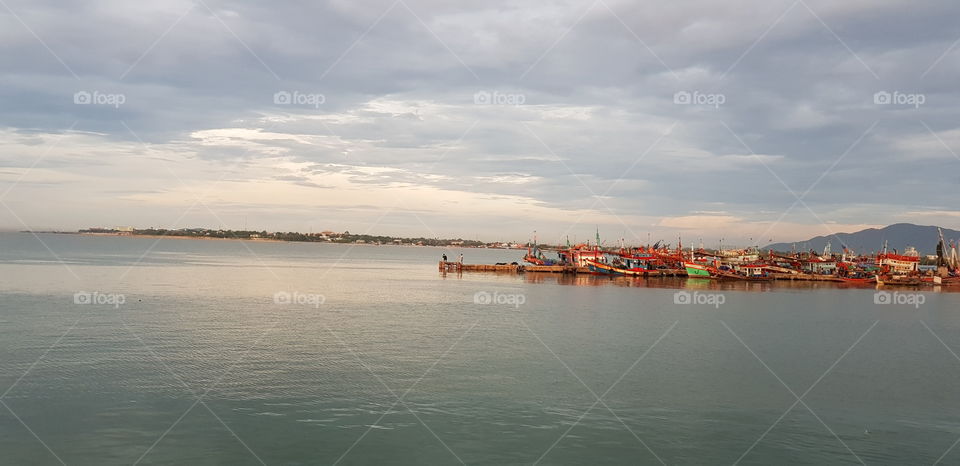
<point>127,351</point>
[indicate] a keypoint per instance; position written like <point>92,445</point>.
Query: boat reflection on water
<point>667,282</point>
<point>650,282</point>
<point>697,283</point>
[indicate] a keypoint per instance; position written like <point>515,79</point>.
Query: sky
<point>751,121</point>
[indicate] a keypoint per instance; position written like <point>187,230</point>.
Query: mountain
<point>898,236</point>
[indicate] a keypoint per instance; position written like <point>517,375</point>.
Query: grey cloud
<point>798,94</point>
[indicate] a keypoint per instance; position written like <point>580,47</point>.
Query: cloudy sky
<point>743,119</point>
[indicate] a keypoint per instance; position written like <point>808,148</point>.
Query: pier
<point>805,277</point>
<point>447,266</point>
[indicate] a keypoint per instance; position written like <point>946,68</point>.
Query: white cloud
<point>399,121</point>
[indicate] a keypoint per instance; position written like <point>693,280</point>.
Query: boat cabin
<point>820,266</point>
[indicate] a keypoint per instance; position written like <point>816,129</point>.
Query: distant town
<point>321,237</point>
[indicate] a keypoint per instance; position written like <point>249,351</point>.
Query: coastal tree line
<point>327,237</point>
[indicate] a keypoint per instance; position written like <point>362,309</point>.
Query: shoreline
<point>260,240</point>
<point>179,237</point>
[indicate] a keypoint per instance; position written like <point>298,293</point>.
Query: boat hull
<point>899,281</point>
<point>696,270</point>
<point>859,281</point>
<point>600,268</point>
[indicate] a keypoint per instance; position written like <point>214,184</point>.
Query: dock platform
<point>447,266</point>
<point>509,268</point>
<point>805,277</point>
<point>461,267</point>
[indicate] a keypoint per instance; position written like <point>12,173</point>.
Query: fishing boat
<point>601,268</point>
<point>727,273</point>
<point>535,256</point>
<point>749,278</point>
<point>695,270</point>
<point>899,264</point>
<point>581,255</point>
<point>941,281</point>
<point>859,280</point>
<point>898,269</point>
<point>899,280</point>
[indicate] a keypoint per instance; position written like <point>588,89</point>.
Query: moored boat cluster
<point>752,264</point>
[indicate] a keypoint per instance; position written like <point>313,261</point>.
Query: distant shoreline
<point>199,238</point>
<point>297,237</point>
<point>256,240</point>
